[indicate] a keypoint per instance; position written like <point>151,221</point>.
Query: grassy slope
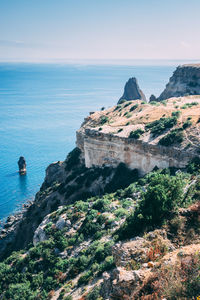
<point>132,115</point>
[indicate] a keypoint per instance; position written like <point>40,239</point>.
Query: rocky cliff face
<point>123,136</point>
<point>185,81</point>
<point>132,91</point>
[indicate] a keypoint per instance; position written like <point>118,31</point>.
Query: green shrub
<point>176,113</point>
<point>133,107</point>
<point>103,120</point>
<point>194,165</point>
<point>187,124</point>
<point>159,126</point>
<point>120,212</point>
<point>85,278</point>
<point>127,104</point>
<point>175,136</point>
<point>163,195</point>
<point>19,291</point>
<point>136,134</point>
<point>94,294</point>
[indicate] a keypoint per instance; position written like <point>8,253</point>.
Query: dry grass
<point>120,117</point>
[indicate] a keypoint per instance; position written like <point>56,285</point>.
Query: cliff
<point>185,81</point>
<point>107,138</point>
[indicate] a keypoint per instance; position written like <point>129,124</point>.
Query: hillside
<point>79,252</point>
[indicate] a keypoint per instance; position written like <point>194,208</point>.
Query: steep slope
<point>77,252</point>
<point>65,182</point>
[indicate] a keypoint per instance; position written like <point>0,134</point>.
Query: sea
<point>42,106</point>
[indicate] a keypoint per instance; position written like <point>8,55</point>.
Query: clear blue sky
<point>42,30</point>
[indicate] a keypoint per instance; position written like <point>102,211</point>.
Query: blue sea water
<point>42,106</point>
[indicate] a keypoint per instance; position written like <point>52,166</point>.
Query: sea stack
<point>132,91</point>
<point>22,165</point>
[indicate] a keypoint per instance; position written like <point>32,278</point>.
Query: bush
<point>19,291</point>
<point>136,134</point>
<point>175,136</point>
<point>157,127</point>
<point>194,165</point>
<point>187,124</point>
<point>85,278</point>
<point>133,107</point>
<point>176,113</point>
<point>94,294</point>
<point>163,195</point>
<point>103,120</point>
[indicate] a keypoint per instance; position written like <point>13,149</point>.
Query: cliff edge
<point>184,81</point>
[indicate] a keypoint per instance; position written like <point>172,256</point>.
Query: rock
<point>124,252</point>
<point>60,224</point>
<point>132,91</point>
<point>184,81</point>
<point>22,165</point>
<point>40,235</point>
<point>120,283</point>
<point>152,98</point>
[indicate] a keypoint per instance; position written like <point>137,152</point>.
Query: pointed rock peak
<point>132,91</point>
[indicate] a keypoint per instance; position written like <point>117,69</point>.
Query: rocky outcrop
<point>107,149</point>
<point>184,81</point>
<point>152,98</point>
<point>132,91</point>
<point>22,165</point>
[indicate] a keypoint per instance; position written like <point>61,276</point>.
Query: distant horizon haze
<point>48,30</point>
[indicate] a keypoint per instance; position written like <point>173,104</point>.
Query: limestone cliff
<point>134,133</point>
<point>185,81</point>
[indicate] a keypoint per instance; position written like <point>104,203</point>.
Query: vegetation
<point>103,120</point>
<point>133,107</point>
<point>164,193</point>
<point>186,105</point>
<point>175,136</point>
<point>81,251</point>
<point>159,126</point>
<point>136,134</point>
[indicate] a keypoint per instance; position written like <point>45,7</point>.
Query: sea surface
<point>42,106</point>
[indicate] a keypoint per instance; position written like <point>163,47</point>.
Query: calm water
<point>42,106</point>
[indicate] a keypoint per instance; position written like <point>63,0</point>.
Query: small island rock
<point>22,165</point>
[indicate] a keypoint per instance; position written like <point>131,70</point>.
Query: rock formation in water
<point>22,165</point>
<point>184,81</point>
<point>132,91</point>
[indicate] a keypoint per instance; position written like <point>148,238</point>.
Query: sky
<point>59,30</point>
